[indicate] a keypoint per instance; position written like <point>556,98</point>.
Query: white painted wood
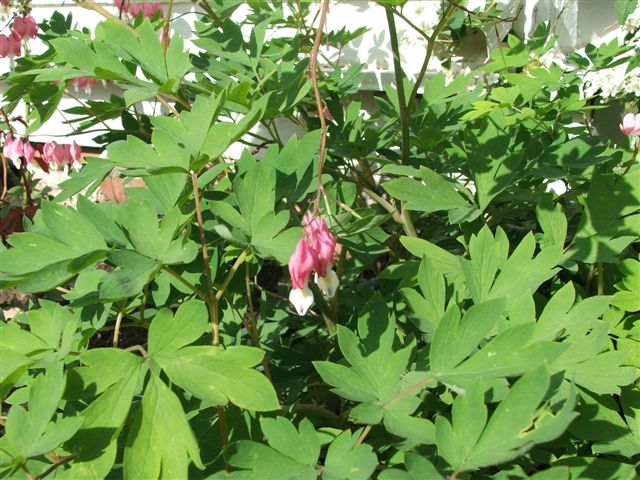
<point>577,22</point>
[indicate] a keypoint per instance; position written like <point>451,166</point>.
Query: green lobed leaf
<point>161,435</point>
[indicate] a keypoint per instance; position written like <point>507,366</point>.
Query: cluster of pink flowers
<point>148,9</point>
<point>14,148</point>
<point>53,153</point>
<point>22,27</point>
<point>61,154</point>
<point>314,252</point>
<point>630,124</point>
<point>84,83</point>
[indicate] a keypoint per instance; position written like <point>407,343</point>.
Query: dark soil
<point>128,337</point>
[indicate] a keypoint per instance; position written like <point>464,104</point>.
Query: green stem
<point>61,461</point>
<point>116,330</point>
<point>418,386</point>
<point>253,324</point>
<point>324,308</point>
<point>231,274</point>
<point>185,282</point>
<point>210,300</point>
<point>633,159</point>
<point>431,45</point>
<point>399,76</point>
<point>205,5</point>
<point>600,278</point>
<point>407,222</point>
<point>165,28</point>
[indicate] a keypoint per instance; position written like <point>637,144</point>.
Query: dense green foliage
<point>484,326</point>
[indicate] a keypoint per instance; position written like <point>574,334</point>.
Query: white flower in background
<point>633,21</point>
<point>558,187</point>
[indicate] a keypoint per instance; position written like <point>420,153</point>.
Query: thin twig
<point>185,282</point>
<point>418,386</point>
<point>402,217</point>
<point>211,303</point>
<point>555,22</point>
<point>142,350</point>
<point>224,433</point>
<point>165,28</point>
<point>431,44</point>
<point>58,463</point>
<point>363,435</point>
<point>230,275</point>
<point>313,69</point>
<point>27,472</point>
<point>4,176</point>
<point>399,77</point>
<point>87,107</point>
<point>167,105</point>
<point>488,15</point>
<point>633,159</point>
<point>600,278</point>
<point>205,5</point>
<point>253,324</point>
<point>417,29</point>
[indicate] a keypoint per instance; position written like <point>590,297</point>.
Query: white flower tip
<point>328,284</point>
<point>301,299</point>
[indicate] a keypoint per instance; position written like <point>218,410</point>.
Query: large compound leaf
<point>31,432</point>
<point>161,435</point>
<point>520,421</point>
<point>377,376</point>
<point>211,373</point>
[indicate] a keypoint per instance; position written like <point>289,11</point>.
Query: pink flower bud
<point>150,9</point>
<point>301,264</point>
<point>133,9</point>
<point>28,152</point>
<point>322,241</point>
<point>10,46</point>
<point>314,251</point>
<point>25,27</point>
<point>628,125</point>
<point>13,148</point>
<point>83,82</point>
<point>30,26</point>
<point>15,45</point>
<point>327,113</point>
<point>86,82</point>
<point>19,26</point>
<point>75,152</point>
<point>4,45</point>
<point>53,152</point>
<point>4,3</point>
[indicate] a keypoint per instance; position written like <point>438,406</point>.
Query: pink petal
<point>19,26</point>
<point>15,44</point>
<point>301,264</point>
<point>28,152</point>
<point>322,241</point>
<point>31,27</point>
<point>75,152</point>
<point>628,124</point>
<point>13,148</point>
<point>4,45</point>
